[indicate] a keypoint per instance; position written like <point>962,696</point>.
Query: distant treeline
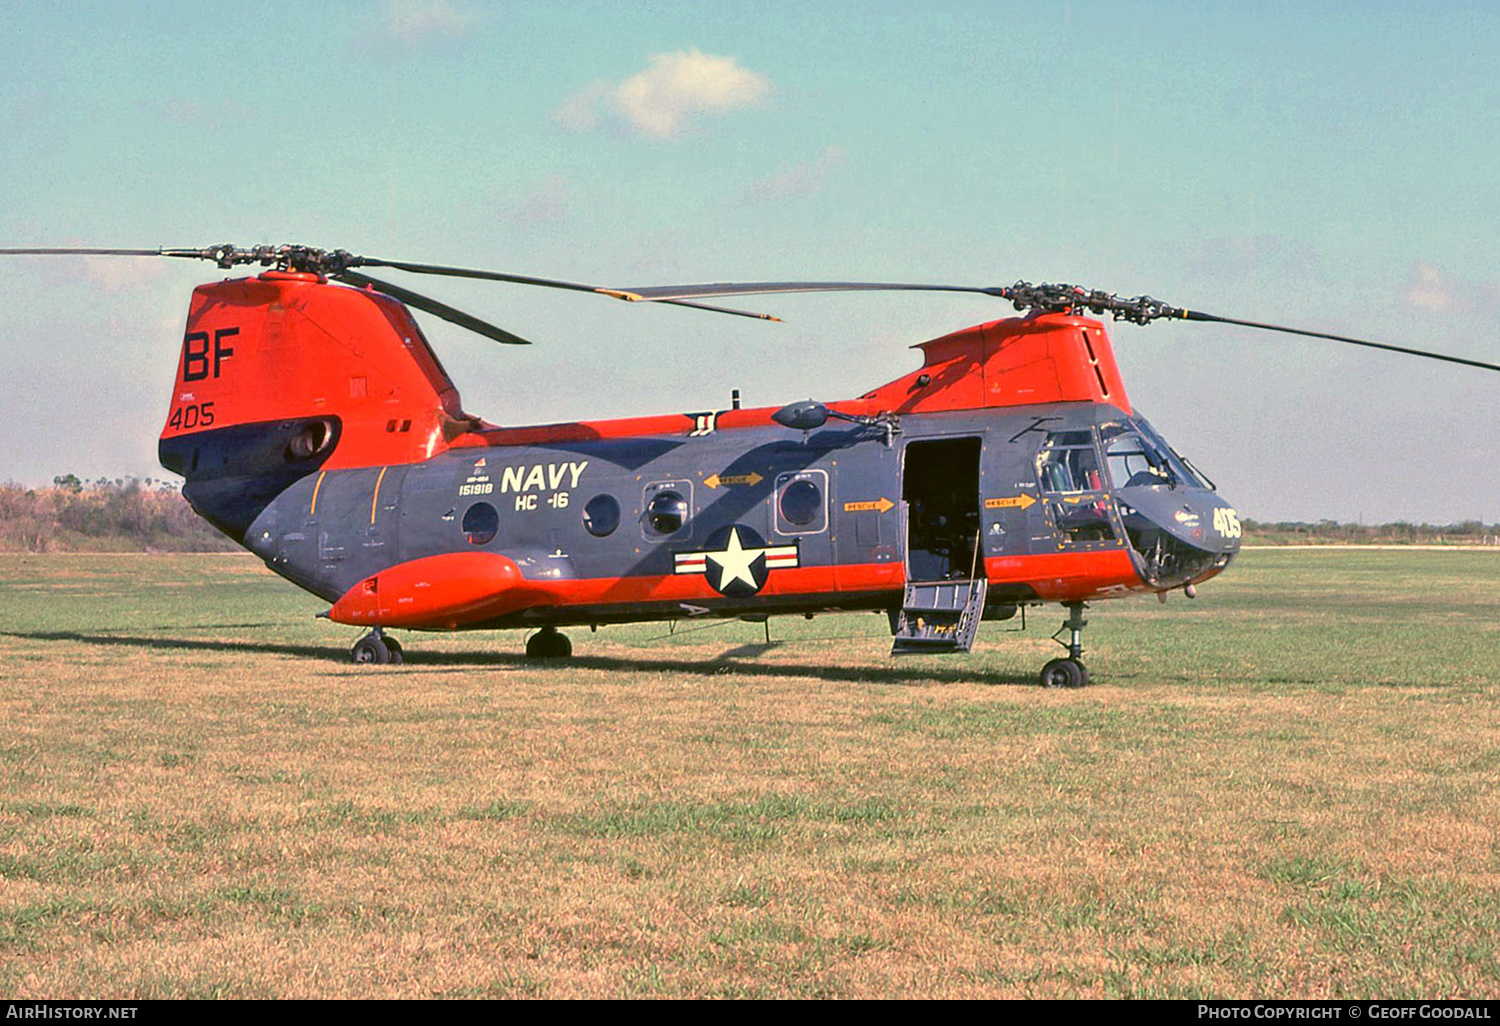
<point>1329,532</point>
<point>129,515</point>
<point>121,515</point>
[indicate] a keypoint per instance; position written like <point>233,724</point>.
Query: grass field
<point>1290,787</point>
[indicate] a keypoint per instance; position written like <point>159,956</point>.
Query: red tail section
<point>291,347</point>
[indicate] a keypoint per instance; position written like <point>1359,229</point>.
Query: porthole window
<point>800,505</point>
<point>801,502</point>
<point>481,521</point>
<point>601,515</point>
<point>666,512</point>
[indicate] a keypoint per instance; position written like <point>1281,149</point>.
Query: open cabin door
<point>945,577</point>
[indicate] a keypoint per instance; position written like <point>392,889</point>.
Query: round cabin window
<point>801,502</point>
<point>480,523</point>
<point>601,515</point>
<point>667,512</point>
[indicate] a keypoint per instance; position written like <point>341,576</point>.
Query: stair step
<point>939,616</point>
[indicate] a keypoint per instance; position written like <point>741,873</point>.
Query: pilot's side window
<point>1073,469</point>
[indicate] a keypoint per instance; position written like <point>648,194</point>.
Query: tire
<point>548,644</point>
<point>1064,673</point>
<point>371,650</point>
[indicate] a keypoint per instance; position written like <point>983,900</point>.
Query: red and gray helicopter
<point>313,424</point>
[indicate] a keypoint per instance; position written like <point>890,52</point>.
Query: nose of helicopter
<point>1179,535</point>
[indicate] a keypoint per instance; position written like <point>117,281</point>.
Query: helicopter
<point>313,424</point>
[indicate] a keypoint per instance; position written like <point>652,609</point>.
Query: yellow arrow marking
<point>752,479</point>
<point>879,505</point>
<point>1022,501</point>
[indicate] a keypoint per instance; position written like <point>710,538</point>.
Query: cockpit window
<point>1184,470</point>
<point>1074,490</point>
<point>1138,457</point>
<point>1063,467</point>
<point>1133,462</point>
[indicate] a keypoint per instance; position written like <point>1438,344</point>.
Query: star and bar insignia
<point>737,561</point>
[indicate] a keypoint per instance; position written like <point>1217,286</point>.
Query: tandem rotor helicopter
<point>313,424</point>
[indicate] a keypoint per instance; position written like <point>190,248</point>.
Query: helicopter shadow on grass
<point>726,664</point>
<point>731,661</point>
<point>187,644</point>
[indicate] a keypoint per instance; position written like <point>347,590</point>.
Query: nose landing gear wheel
<point>547,643</point>
<point>1070,671</point>
<point>1064,673</point>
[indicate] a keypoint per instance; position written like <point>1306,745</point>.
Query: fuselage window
<point>801,501</point>
<point>481,521</point>
<point>666,512</point>
<point>601,515</point>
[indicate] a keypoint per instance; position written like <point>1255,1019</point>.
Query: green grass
<point>1285,788</point>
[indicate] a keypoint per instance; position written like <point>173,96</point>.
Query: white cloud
<point>1427,288</point>
<point>1251,258</point>
<point>412,21</point>
<point>674,92</point>
<point>792,181</point>
<point>546,206</point>
<point>409,27</point>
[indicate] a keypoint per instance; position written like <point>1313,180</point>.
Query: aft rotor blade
<point>469,272</point>
<point>549,283</point>
<point>432,306</point>
<point>1195,315</point>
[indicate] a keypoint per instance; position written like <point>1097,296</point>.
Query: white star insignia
<point>734,562</point>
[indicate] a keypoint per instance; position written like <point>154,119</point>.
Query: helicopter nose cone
<point>1207,522</point>
<point>1180,535</point>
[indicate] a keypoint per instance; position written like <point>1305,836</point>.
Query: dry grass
<point>1288,788</point>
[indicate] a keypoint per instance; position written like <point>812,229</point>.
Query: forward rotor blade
<point>1195,315</point>
<point>671,293</point>
<point>83,252</point>
<point>1047,297</point>
<point>432,306</point>
<point>224,255</point>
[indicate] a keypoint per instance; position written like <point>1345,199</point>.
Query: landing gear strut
<point>1069,672</point>
<point>547,643</point>
<point>375,647</point>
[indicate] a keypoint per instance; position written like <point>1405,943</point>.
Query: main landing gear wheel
<point>1068,672</point>
<point>1065,673</point>
<point>375,647</point>
<point>547,643</point>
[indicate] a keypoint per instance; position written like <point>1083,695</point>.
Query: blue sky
<point>1326,165</point>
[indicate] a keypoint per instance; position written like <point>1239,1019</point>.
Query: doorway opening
<point>940,486</point>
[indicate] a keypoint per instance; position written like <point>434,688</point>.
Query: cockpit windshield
<point>1139,457</point>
